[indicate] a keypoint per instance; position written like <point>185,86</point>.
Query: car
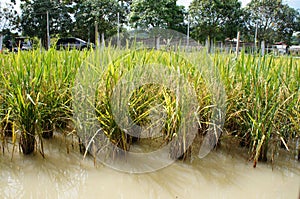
<point>73,43</point>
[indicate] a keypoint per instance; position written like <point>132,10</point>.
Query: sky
<point>292,3</point>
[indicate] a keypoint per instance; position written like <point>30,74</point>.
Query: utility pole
<point>118,42</point>
<point>97,40</point>
<point>48,32</point>
<point>255,38</point>
<point>188,32</point>
<point>89,34</point>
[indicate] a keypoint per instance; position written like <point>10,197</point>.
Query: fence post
<point>237,50</point>
<point>207,44</point>
<point>157,43</point>
<point>263,48</point>
<point>97,40</point>
<point>102,40</point>
<point>1,43</point>
<point>48,32</point>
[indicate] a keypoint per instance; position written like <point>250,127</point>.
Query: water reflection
<point>219,175</point>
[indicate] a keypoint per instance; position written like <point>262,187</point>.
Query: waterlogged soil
<point>224,173</point>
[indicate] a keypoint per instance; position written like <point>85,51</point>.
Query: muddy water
<point>218,175</point>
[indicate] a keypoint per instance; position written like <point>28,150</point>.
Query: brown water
<point>218,175</point>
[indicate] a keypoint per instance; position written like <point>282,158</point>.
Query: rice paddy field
<point>249,102</point>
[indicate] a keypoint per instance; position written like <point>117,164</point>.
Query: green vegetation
<point>263,97</point>
<point>36,94</point>
<point>270,21</point>
<point>163,14</point>
<point>263,100</point>
<point>216,19</point>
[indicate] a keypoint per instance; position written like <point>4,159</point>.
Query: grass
<point>262,106</point>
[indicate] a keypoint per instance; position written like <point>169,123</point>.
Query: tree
<point>158,14</point>
<point>273,20</point>
<point>8,19</point>
<point>126,5</point>
<point>295,38</point>
<point>34,19</point>
<point>100,12</point>
<point>216,19</point>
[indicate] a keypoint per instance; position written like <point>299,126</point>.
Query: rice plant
<point>36,96</point>
<point>263,94</point>
<point>137,66</point>
<point>36,92</point>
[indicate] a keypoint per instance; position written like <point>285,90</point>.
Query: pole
<point>97,35</point>
<point>102,40</point>
<point>207,44</point>
<point>1,43</point>
<point>188,32</point>
<point>118,42</point>
<point>238,43</point>
<point>48,32</point>
<point>157,43</point>
<point>89,35</point>
<point>255,38</point>
<point>263,47</point>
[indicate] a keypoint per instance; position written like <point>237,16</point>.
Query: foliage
<point>36,91</point>
<point>216,19</point>
<point>34,19</point>
<point>274,20</point>
<point>157,13</point>
<point>103,12</point>
<point>8,16</point>
<point>263,101</point>
<point>263,105</point>
<point>296,39</point>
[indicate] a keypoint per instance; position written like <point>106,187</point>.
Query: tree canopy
<point>8,16</point>
<point>274,20</point>
<point>217,19</point>
<point>157,13</point>
<point>34,18</point>
<point>103,13</point>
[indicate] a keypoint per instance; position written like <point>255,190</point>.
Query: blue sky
<point>292,3</point>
